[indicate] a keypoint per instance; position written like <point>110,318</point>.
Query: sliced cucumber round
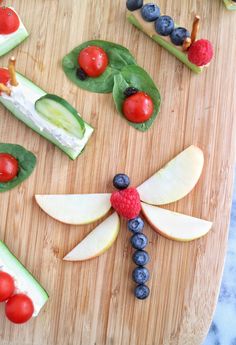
<point>61,114</point>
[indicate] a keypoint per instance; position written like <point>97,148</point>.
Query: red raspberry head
<point>200,52</point>
<point>126,202</point>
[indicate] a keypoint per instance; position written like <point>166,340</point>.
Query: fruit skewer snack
<point>195,54</point>
<point>12,30</point>
<point>49,115</point>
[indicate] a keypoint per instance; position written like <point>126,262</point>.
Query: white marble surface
<point>223,328</point>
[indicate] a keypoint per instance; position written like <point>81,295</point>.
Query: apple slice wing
<point>175,226</point>
<point>98,241</point>
<point>75,208</point>
<point>175,180</point>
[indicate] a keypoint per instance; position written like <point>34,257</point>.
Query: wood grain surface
<point>92,303</point>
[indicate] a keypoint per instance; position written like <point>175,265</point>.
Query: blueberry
<point>130,91</point>
<point>121,181</point>
<point>81,74</point>
<point>141,257</point>
<point>150,12</point>
<point>140,275</point>
<point>139,241</point>
<point>164,25</point>
<point>133,5</point>
<point>136,224</point>
<point>141,291</point>
<point>178,36</point>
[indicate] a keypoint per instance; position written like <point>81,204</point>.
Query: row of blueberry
<point>164,25</point>
<point>140,257</point>
<point>139,242</point>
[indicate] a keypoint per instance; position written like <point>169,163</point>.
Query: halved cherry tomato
<point>9,21</point>
<point>8,167</point>
<point>93,60</point>
<point>19,308</point>
<point>4,76</point>
<point>138,107</point>
<point>7,286</point>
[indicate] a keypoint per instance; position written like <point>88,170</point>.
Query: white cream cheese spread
<point>23,98</point>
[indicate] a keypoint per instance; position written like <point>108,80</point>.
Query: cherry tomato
<point>7,286</point>
<point>9,21</point>
<point>4,76</point>
<point>19,308</point>
<point>138,107</point>
<point>93,60</point>
<point>8,167</point>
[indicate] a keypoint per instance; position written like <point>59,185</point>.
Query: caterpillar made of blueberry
<point>196,54</point>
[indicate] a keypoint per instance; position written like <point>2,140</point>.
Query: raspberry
<point>200,52</point>
<point>126,202</point>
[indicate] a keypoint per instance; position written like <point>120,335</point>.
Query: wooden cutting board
<point>92,302</point>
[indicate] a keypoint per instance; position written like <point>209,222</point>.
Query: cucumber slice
<point>24,280</point>
<point>8,42</point>
<point>61,114</point>
<point>72,152</point>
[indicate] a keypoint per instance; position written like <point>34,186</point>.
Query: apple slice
<point>75,208</point>
<point>175,180</point>
<point>175,226</point>
<point>98,241</point>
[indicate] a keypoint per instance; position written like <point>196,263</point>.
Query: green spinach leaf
<point>118,56</point>
<point>135,76</point>
<point>26,161</point>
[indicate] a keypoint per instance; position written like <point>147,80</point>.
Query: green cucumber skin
<point>22,79</point>
<point>14,42</point>
<point>168,46</point>
<point>7,256</point>
<point>73,154</point>
<point>66,105</point>
<point>229,5</point>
